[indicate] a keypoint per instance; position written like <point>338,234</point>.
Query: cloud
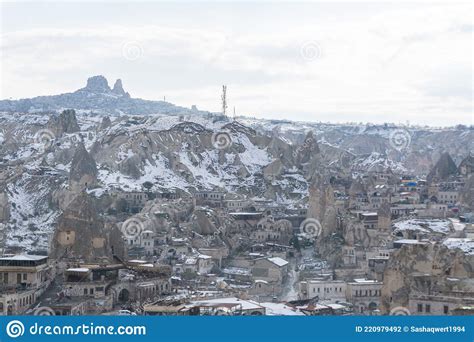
<point>388,65</point>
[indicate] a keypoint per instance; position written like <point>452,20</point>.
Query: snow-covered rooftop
<point>24,257</point>
<point>425,225</point>
<point>278,261</point>
<point>78,269</point>
<point>466,245</point>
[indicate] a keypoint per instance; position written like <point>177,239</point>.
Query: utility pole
<point>234,114</point>
<point>224,99</point>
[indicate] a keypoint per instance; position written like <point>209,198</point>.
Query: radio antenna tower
<point>234,117</point>
<point>224,99</point>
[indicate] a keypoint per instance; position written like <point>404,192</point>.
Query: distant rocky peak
<point>97,84</point>
<point>118,88</point>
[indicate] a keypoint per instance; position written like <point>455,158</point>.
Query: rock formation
<point>81,235</point>
<point>384,217</point>
<point>466,167</point>
<point>83,173</point>
<point>118,89</point>
<point>466,197</point>
<point>443,169</point>
<point>97,84</point>
<point>96,96</point>
<point>106,123</point>
<point>321,198</point>
<point>423,268</point>
<point>66,122</point>
<point>4,207</point>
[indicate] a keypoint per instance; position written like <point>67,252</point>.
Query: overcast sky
<point>340,62</point>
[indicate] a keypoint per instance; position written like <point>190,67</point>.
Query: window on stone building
<point>445,309</point>
<point>420,308</point>
<point>427,308</point>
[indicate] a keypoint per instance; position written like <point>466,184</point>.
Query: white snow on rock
<point>424,225</point>
<point>466,245</point>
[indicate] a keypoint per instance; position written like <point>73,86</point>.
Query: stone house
<point>134,200</point>
<point>439,304</point>
<point>365,295</point>
<point>329,290</point>
<point>23,278</point>
<point>213,199</point>
<point>201,264</point>
<point>273,269</point>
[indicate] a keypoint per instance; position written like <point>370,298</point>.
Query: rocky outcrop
<point>106,123</point>
<point>96,96</point>
<point>273,170</point>
<point>203,222</point>
<point>443,169</point>
<point>466,167</point>
<point>66,122</point>
<point>96,84</point>
<point>83,173</point>
<point>321,198</point>
<point>81,235</point>
<point>307,150</point>
<point>422,268</point>
<point>384,217</point>
<point>466,195</point>
<point>118,88</point>
<point>4,207</point>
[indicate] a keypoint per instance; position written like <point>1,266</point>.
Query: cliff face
<point>425,269</point>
